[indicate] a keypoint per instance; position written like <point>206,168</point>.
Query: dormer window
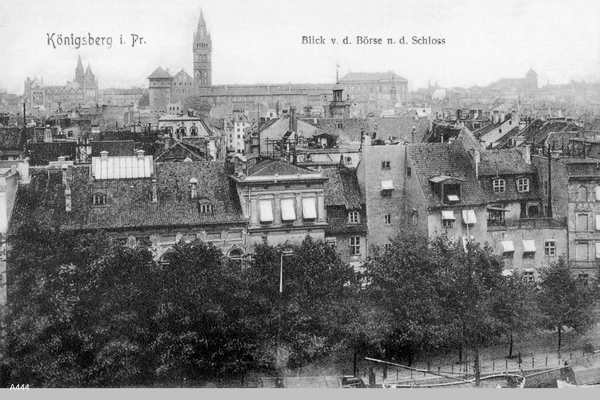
<point>99,199</point>
<point>353,217</point>
<point>451,193</point>
<point>205,206</point>
<point>523,185</point>
<point>499,185</point>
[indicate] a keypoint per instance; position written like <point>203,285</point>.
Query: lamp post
<point>285,252</point>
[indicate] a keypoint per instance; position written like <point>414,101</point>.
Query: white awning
<point>597,249</point>
<point>528,270</point>
<point>266,211</point>
<point>508,246</point>
<point>598,222</point>
<point>469,217</point>
<point>528,246</point>
<point>507,272</point>
<point>453,197</point>
<point>387,185</point>
<point>288,213</point>
<point>448,215</point>
<point>309,208</point>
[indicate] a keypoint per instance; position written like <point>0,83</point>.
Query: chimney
<point>502,117</point>
<point>495,117</point>
<point>23,168</point>
<point>414,130</point>
<point>526,153</point>
<point>104,155</point>
<point>475,153</point>
<point>194,187</point>
<point>67,199</point>
<point>154,191</point>
<point>140,154</point>
<point>293,121</point>
<point>64,174</point>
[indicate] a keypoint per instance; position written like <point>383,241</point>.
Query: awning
<point>528,246</point>
<point>453,197</point>
<point>598,222</point>
<point>288,213</point>
<point>497,209</point>
<point>528,270</point>
<point>448,215</point>
<point>266,211</point>
<point>597,249</point>
<point>469,217</point>
<point>387,185</point>
<point>508,246</point>
<point>309,208</point>
<point>507,272</point>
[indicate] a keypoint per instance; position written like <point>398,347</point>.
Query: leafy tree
<point>315,301</point>
<point>200,105</point>
<point>79,309</point>
<point>565,302</point>
<point>204,327</point>
<point>517,307</point>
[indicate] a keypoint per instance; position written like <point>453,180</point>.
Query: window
<point>523,185</point>
<point>583,279</point>
<point>408,171</point>
<point>546,188</point>
<point>415,216</point>
<point>131,241</point>
<point>582,222</point>
<point>550,248</point>
<point>99,199</point>
<point>469,217</point>
<point>529,248</point>
<point>309,208</point>
<point>354,245</point>
<point>581,251</point>
<point>387,187</point>
<point>266,210</point>
<point>331,242</point>
<point>385,165</point>
<point>499,185</point>
<point>448,218</point>
<point>451,193</point>
<point>353,217</point>
<point>528,275</point>
<point>387,219</point>
<point>205,206</point>
<point>388,246</point>
<point>597,193</point>
<point>582,193</point>
<point>508,249</point>
<point>288,213</point>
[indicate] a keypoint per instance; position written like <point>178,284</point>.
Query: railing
<point>528,223</point>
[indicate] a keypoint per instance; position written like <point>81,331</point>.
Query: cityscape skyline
<point>483,41</point>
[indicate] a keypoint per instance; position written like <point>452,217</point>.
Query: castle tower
<point>79,72</point>
<point>202,48</point>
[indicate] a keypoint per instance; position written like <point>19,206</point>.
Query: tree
<point>565,302</point>
<point>315,301</point>
<point>200,105</point>
<point>516,307</point>
<point>80,309</point>
<point>204,326</point>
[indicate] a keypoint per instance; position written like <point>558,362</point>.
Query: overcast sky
<point>260,41</point>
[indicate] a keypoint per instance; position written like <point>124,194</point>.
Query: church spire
<point>79,72</point>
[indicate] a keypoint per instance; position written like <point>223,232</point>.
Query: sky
<point>260,41</point>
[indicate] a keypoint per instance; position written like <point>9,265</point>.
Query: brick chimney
<point>194,188</point>
<point>68,199</point>
<point>154,191</point>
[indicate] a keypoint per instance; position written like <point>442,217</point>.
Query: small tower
<point>531,79</point>
<point>202,49</point>
<point>79,72</point>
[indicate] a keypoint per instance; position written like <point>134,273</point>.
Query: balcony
<point>527,223</point>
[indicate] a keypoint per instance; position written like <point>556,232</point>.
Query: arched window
<point>99,199</point>
<point>582,193</point>
<point>236,256</point>
<point>205,206</point>
<point>131,241</point>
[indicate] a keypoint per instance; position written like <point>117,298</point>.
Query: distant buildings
<point>82,90</point>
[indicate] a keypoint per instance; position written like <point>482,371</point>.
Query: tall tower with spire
<point>79,72</point>
<point>202,49</point>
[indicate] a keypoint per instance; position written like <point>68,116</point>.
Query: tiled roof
<point>160,73</point>
<point>342,189</point>
<point>181,151</point>
<point>504,162</point>
<point>129,204</point>
<point>537,132</point>
<point>434,159</point>
<point>114,147</point>
<point>278,128</point>
<point>272,167</point>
